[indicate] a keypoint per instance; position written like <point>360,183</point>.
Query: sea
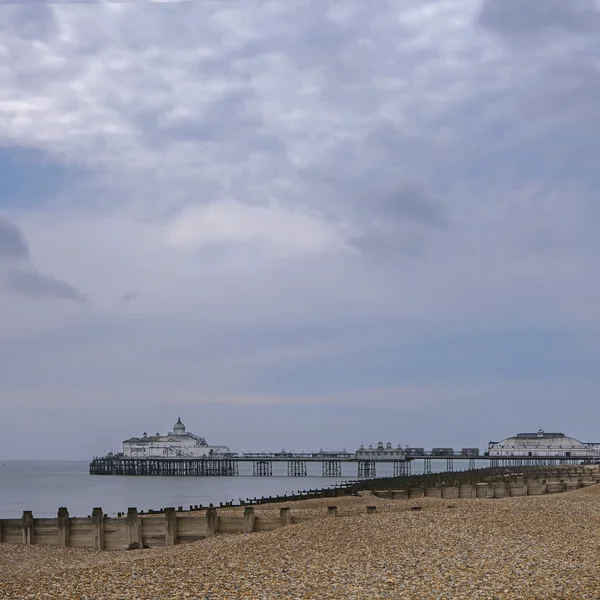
<point>44,486</point>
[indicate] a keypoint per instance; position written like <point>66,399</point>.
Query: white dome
<point>179,427</point>
<point>541,439</point>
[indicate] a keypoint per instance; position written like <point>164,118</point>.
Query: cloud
<point>19,276</point>
<point>406,202</point>
<point>229,222</point>
<point>35,285</point>
<point>528,20</point>
<point>276,179</point>
<point>12,241</point>
<point>129,297</point>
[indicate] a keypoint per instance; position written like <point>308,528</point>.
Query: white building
<point>544,445</point>
<point>380,452</point>
<point>175,444</point>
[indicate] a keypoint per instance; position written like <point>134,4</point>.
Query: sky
<point>298,223</point>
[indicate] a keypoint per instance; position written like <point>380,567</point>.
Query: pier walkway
<point>331,464</point>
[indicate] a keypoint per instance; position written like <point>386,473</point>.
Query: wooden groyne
<point>170,526</point>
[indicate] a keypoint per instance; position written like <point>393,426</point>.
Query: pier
<point>331,466</point>
<point>183,453</point>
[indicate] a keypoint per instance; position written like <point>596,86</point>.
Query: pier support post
<point>27,521</point>
<point>332,511</point>
<point>249,519</point>
<point>331,468</point>
<point>170,526</point>
<point>134,526</point>
<point>211,522</point>
<point>366,468</point>
<point>285,516</point>
<point>64,527</point>
<point>98,529</point>
<point>262,468</point>
<point>296,468</point>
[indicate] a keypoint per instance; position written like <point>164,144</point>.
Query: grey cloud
<point>531,18</point>
<point>407,201</point>
<point>366,177</point>
<point>389,246</point>
<point>35,285</point>
<point>126,298</point>
<point>18,275</point>
<point>12,241</point>
<point>34,22</point>
<point>397,223</point>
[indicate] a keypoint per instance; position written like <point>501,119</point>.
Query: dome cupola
<point>179,427</point>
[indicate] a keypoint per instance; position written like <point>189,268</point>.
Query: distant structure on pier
<point>381,451</point>
<point>178,443</point>
<point>543,445</point>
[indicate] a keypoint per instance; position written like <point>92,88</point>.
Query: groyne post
<point>98,529</point>
<point>134,526</point>
<point>64,527</point>
<point>170,526</point>
<point>332,511</point>
<point>249,519</point>
<point>211,522</point>
<point>481,490</point>
<point>371,509</point>
<point>27,521</point>
<point>285,516</point>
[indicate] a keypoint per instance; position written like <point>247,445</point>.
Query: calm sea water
<point>44,486</point>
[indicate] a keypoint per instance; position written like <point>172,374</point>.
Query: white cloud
<point>232,222</point>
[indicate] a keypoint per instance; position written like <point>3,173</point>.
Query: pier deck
<point>262,464</point>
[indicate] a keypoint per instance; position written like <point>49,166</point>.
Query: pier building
<point>178,443</point>
<point>543,445</point>
<point>386,452</point>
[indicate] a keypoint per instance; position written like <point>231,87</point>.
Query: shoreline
<point>513,548</point>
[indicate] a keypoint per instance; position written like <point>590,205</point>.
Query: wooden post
<point>285,516</point>
<point>27,521</point>
<point>211,522</point>
<point>98,529</point>
<point>134,526</point>
<point>64,527</point>
<point>249,519</point>
<point>332,511</point>
<point>170,526</point>
<point>371,509</point>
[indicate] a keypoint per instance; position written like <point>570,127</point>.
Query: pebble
<point>510,549</point>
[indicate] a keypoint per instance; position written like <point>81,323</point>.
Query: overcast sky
<point>298,223</point>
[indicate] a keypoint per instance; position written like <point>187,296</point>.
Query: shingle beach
<point>515,548</point>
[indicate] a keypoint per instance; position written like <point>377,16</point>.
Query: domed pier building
<point>178,443</point>
<point>543,445</point>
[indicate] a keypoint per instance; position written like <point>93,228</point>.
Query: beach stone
<point>520,548</point>
<point>136,546</point>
